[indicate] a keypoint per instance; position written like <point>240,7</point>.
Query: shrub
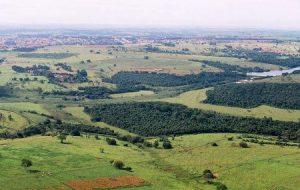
<point>156,144</point>
<point>243,144</point>
<point>128,169</point>
<point>62,137</point>
<point>208,175</point>
<point>75,132</point>
<point>230,138</point>
<point>221,186</point>
<point>118,164</point>
<point>26,163</point>
<point>167,145</point>
<point>101,150</point>
<point>147,144</point>
<point>111,141</point>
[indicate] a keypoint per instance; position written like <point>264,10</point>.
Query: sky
<point>272,14</point>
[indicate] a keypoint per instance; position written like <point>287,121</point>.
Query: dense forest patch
<point>47,55</point>
<point>256,94</point>
<point>264,57</point>
<point>229,68</point>
<point>5,91</point>
<point>153,119</point>
<point>125,78</point>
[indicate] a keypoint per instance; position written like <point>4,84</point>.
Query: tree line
<point>264,57</point>
<point>251,95</point>
<point>135,78</point>
<point>229,68</point>
<point>157,118</point>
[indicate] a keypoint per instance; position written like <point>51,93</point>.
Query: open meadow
<point>58,166</point>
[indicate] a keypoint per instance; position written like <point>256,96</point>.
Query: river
<point>273,72</point>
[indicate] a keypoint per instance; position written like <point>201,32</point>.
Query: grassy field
<point>193,99</point>
<point>12,121</point>
<point>54,164</point>
<point>81,117</point>
<point>133,94</point>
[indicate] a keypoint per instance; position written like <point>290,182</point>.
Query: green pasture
<point>54,164</point>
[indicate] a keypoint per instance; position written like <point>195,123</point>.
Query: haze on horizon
<point>270,14</point>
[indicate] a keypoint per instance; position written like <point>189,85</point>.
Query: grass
<point>16,122</point>
<point>193,99</point>
<point>133,94</point>
<point>81,117</point>
<point>258,167</point>
<point>46,55</point>
<point>23,106</point>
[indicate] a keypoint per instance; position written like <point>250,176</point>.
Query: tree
<point>62,137</point>
<point>75,132</point>
<point>167,145</point>
<point>118,164</point>
<point>111,141</point>
<point>156,144</point>
<point>208,176</point>
<point>243,144</point>
<point>10,118</point>
<point>221,186</point>
<point>26,163</point>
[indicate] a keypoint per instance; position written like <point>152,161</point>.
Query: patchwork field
<point>50,87</point>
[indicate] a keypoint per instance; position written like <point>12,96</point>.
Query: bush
<point>156,144</point>
<point>128,169</point>
<point>230,138</point>
<point>167,145</point>
<point>62,137</point>
<point>147,144</point>
<point>75,132</point>
<point>111,141</point>
<point>243,144</point>
<point>26,163</point>
<point>221,186</point>
<point>118,164</point>
<point>208,175</point>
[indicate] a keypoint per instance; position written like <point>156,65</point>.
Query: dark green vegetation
<point>264,57</point>
<point>5,91</point>
<point>167,80</point>
<point>64,66</point>
<point>255,94</point>
<point>55,127</point>
<point>90,92</point>
<point>47,55</point>
<point>229,68</point>
<point>55,78</point>
<point>152,119</point>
